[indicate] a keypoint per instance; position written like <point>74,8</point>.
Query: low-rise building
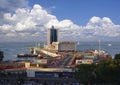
<point>84,61</point>
<point>62,46</point>
<point>66,46</point>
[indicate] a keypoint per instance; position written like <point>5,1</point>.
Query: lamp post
<point>99,47</point>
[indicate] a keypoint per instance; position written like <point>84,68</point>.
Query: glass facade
<point>53,35</point>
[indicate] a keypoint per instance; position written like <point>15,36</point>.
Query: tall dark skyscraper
<point>52,35</point>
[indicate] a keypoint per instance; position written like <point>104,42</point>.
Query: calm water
<point>12,49</point>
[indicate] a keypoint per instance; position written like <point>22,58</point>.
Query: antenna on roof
<point>99,46</point>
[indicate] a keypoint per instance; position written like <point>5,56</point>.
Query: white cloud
<point>103,27</point>
<point>7,6</point>
<point>95,20</point>
<point>53,22</point>
<point>32,24</point>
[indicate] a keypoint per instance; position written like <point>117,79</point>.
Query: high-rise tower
<point>52,35</point>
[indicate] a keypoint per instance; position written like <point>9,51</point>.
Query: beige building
<point>62,46</point>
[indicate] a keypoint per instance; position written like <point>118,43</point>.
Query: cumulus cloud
<point>102,27</point>
<point>27,24</point>
<point>10,6</point>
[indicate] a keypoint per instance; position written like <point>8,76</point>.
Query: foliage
<point>1,55</point>
<point>105,72</point>
<point>117,56</point>
<point>109,71</point>
<point>85,73</point>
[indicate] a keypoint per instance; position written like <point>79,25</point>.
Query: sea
<point>11,49</point>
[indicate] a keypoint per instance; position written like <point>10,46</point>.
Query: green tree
<point>85,73</point>
<point>108,71</point>
<point>1,55</point>
<point>117,56</point>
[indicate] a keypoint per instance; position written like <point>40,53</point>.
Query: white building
<point>31,72</point>
<point>84,61</point>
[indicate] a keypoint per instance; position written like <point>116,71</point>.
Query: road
<point>64,62</point>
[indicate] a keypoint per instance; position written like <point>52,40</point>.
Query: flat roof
<point>51,69</point>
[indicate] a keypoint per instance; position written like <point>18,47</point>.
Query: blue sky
<point>80,11</point>
<point>84,20</point>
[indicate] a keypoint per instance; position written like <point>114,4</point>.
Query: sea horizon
<point>11,49</point>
